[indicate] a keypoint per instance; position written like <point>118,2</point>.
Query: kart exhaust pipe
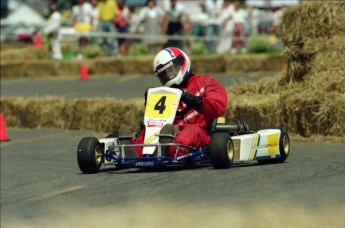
<point>239,128</point>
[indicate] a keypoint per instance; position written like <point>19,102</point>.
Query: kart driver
<point>203,99</point>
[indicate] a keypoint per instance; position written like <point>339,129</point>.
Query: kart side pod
<point>265,146</point>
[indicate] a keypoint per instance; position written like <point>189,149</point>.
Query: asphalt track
<point>42,186</point>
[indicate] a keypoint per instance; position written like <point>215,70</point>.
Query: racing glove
<point>191,100</point>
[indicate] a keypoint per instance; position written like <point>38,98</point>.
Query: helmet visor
<point>169,70</point>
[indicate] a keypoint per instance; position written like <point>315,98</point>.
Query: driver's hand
<point>191,100</point>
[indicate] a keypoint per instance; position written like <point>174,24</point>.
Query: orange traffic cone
<point>3,132</point>
<point>37,40</point>
<point>83,72</point>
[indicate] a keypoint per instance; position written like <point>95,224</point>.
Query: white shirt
<point>146,12</point>
<point>83,13</point>
<point>239,16</point>
<point>53,23</point>
<point>95,16</point>
<point>213,8</point>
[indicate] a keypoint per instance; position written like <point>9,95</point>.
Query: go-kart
<point>229,142</point>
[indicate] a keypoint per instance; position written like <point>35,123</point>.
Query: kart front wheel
<point>89,155</point>
<point>221,149</point>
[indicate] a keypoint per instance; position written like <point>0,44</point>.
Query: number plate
<point>160,105</point>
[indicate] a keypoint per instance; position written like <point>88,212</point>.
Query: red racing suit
<point>193,125</point>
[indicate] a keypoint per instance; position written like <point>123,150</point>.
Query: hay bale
<point>25,54</point>
<point>11,46</point>
<point>269,85</point>
<point>254,63</point>
<point>257,111</point>
<point>104,66</point>
<point>315,20</point>
<point>311,112</point>
<point>33,112</point>
<point>137,65</point>
<point>39,68</point>
<point>208,64</point>
<point>326,81</point>
<point>328,61</point>
<point>297,69</point>
<point>334,43</point>
<point>315,60</point>
<point>100,114</point>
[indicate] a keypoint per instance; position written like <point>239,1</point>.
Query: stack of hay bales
<point>102,115</point>
<point>309,98</point>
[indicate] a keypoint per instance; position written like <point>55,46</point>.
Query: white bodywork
<point>161,107</point>
<point>263,144</point>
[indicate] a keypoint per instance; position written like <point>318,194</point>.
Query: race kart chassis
<point>270,145</point>
<point>115,154</point>
<point>229,142</point>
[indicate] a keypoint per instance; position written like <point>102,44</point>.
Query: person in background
<point>121,25</point>
<point>108,11</point>
<point>176,22</point>
<point>133,26</point>
<point>226,24</point>
<point>254,20</point>
<point>94,20</point>
<point>151,18</point>
<point>94,15</point>
<point>213,10</point>
<point>203,100</point>
<point>81,20</point>
<point>51,30</point>
<point>239,39</point>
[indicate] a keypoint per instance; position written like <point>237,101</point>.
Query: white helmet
<point>172,66</point>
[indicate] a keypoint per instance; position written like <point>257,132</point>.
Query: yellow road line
<point>44,197</point>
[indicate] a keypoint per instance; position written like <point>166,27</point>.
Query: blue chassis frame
<point>196,156</point>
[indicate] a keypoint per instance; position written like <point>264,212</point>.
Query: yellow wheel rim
<point>98,155</point>
<point>230,150</point>
<point>286,144</point>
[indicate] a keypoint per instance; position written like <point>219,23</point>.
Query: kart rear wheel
<point>284,147</point>
<point>89,155</point>
<point>221,149</point>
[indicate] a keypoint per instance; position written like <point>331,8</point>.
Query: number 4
<point>160,105</point>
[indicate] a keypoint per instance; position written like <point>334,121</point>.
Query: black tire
<point>284,147</point>
<point>221,150</point>
<point>89,155</point>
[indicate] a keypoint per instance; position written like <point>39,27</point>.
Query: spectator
<point>94,14</point>
<point>94,20</point>
<point>213,10</point>
<point>226,27</point>
<point>151,18</point>
<point>133,25</point>
<point>133,22</point>
<point>176,22</point>
<point>239,18</point>
<point>265,17</point>
<point>254,20</point>
<point>51,30</point>
<point>121,25</point>
<point>108,11</point>
<point>81,19</point>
